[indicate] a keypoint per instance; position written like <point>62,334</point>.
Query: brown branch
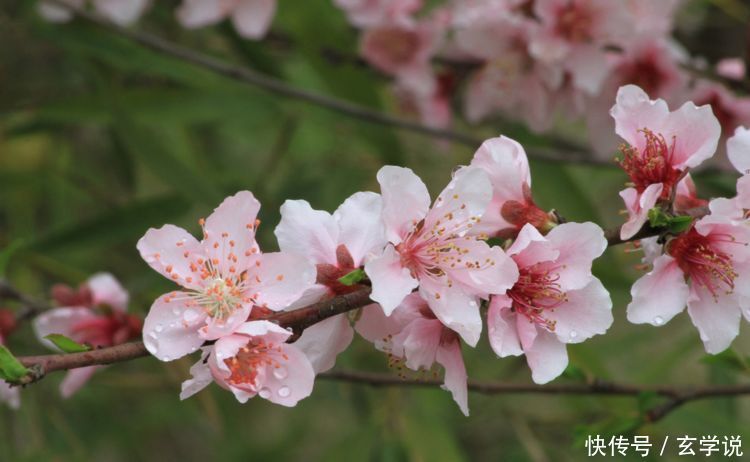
<point>257,79</point>
<point>675,396</point>
<point>30,307</point>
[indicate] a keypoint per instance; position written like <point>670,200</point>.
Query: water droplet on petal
<point>176,311</point>
<point>190,315</point>
<point>658,320</point>
<point>573,334</point>
<point>159,328</point>
<point>284,392</point>
<point>153,335</point>
<point>172,325</point>
<point>166,358</point>
<point>472,304</point>
<point>280,372</point>
<point>265,393</point>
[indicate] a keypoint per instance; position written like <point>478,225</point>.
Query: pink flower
<point>556,300</point>
<point>731,68</point>
<point>254,360</point>
<point>661,147</point>
<point>251,18</point>
<point>738,150</point>
<point>510,80</point>
<point>9,395</point>
<point>365,13</point>
<point>337,245</point>
<point>731,110</point>
<point>512,206</point>
<point>574,34</point>
<point>432,248</point>
<point>413,335</point>
<point>427,96</point>
<point>97,317</point>
<point>224,277</point>
<point>402,46</point>
<point>706,268</point>
<point>122,12</point>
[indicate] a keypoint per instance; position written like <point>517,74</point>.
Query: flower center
<point>536,291</point>
<point>574,23</point>
<point>652,164</point>
<point>257,354</point>
<point>700,260</point>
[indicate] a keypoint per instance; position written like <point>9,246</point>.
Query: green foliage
<point>10,368</point>
<point>65,344</point>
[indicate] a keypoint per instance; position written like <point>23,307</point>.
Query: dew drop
<point>176,311</point>
<point>190,315</point>
<point>473,304</point>
<point>166,358</point>
<point>284,392</point>
<point>153,335</point>
<point>265,393</point>
<point>573,334</point>
<point>658,320</point>
<point>280,372</point>
<point>159,328</point>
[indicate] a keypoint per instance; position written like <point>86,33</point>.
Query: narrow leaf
<point>10,368</point>
<point>67,345</point>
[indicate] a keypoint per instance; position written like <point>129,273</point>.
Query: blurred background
<point>101,139</point>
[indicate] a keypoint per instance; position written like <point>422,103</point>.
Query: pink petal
<point>696,131</point>
<point>199,13</point>
<point>361,229</point>
<point>217,327</point>
<point>717,319</point>
<point>107,290</point>
<point>589,67</point>
<point>638,206</point>
<point>494,277</point>
<point>455,373</point>
<point>75,379</point>
<point>738,150</point>
<point>170,330</point>
<point>121,12</point>
<point>579,244</point>
<point>405,201</point>
<point>587,312</point>
<point>456,309</point>
<point>323,341</point>
<point>10,395</point>
<point>308,232</point>
<point>60,321</point>
<point>290,382</point>
<point>659,295</point>
<point>530,247</point>
<point>200,377</point>
<point>252,18</point>
<point>462,202</point>
<point>230,230</point>
<point>391,282</point>
<point>501,327</point>
<point>418,343</point>
<point>547,357</point>
<point>164,249</point>
<point>375,327</point>
<point>504,160</point>
<point>280,279</point>
<point>634,111</point>
<point>527,331</point>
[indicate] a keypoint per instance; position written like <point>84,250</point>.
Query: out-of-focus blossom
<point>661,147</point>
<point>365,13</point>
<point>337,244</point>
<point>400,47</point>
<point>122,12</point>
<point>731,68</point>
<point>95,315</point>
<point>254,360</point>
<point>251,18</point>
<point>555,301</point>
<point>574,35</point>
<point>433,249</point>
<point>731,110</point>
<point>224,277</point>
<point>412,335</point>
<point>512,206</point>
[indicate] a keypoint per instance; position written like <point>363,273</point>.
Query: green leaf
<point>657,218</point>
<point>66,344</point>
<point>352,278</point>
<point>10,368</point>
<point>575,373</point>
<point>680,223</point>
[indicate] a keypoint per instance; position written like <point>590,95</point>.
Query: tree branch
<point>246,75</point>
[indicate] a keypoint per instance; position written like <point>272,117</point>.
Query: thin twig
<point>30,307</point>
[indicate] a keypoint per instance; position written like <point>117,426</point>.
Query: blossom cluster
<point>542,62</point>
